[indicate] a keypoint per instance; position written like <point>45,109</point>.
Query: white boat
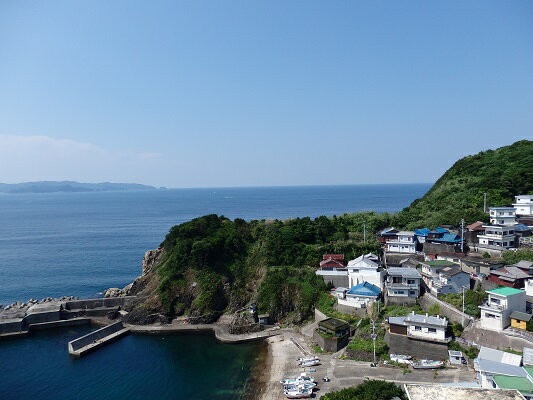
<point>400,358</point>
<point>310,363</point>
<point>427,364</point>
<point>299,393</point>
<point>301,385</point>
<point>304,359</point>
<point>301,379</point>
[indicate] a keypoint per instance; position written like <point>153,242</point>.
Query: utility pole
<point>463,299</point>
<point>374,337</point>
<point>462,235</point>
<point>484,202</point>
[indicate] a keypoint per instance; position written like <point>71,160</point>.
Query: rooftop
<point>333,323</point>
<point>489,354</point>
<point>441,392</point>
<point>364,289</point>
<point>438,263</point>
<point>426,319</point>
<point>521,316</point>
<point>505,291</point>
<point>404,272</point>
<point>498,368</point>
<point>528,356</point>
<point>524,385</point>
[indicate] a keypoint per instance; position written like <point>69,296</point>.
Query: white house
<point>502,215</point>
<point>421,327</point>
<point>430,269</point>
<point>497,309</point>
<point>404,242</point>
<point>402,285</point>
<point>450,280</point>
<point>366,268</point>
<point>498,237</point>
<point>491,362</point>
<point>524,205</point>
<point>360,296</point>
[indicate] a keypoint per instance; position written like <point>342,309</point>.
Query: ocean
<point>79,244</point>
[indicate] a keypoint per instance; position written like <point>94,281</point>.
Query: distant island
<point>70,186</point>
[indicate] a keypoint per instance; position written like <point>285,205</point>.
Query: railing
<point>526,240</point>
<point>492,306</point>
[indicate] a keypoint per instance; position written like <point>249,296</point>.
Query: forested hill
<point>502,174</point>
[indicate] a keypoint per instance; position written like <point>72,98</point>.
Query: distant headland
<point>70,186</point>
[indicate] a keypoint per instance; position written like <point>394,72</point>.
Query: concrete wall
<point>399,301</point>
<point>40,317</point>
<point>96,303</point>
<point>360,312</point>
<point>96,335</point>
<point>332,344</point>
<point>11,326</point>
<point>400,344</point>
<point>336,280</point>
<point>447,310</point>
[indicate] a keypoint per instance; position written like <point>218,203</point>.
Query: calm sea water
<point>82,243</point>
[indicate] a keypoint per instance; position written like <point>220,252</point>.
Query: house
<point>366,268</point>
<point>425,234</point>
<point>502,215</point>
<point>475,227</point>
<point>456,357</point>
<point>524,265</point>
<point>264,319</point>
<point>404,242</point>
<point>497,237</point>
<point>524,205</point>
<point>510,276</point>
<point>447,256</point>
<point>421,327</point>
<point>430,269</point>
<point>332,261</point>
<point>402,285</point>
<point>519,320</point>
<point>497,309</point>
<point>360,296</point>
<point>416,391</point>
<point>479,266</point>
<point>450,280</point>
<point>332,334</point>
<point>492,362</point>
<point>387,234</point>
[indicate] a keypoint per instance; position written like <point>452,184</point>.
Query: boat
<point>301,385</point>
<point>427,364</point>
<point>301,379</point>
<point>310,363</point>
<point>299,393</point>
<point>304,359</point>
<point>400,358</point>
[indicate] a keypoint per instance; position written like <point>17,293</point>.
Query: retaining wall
<point>450,312</point>
<point>331,344</point>
<point>98,303</point>
<point>11,326</point>
<point>90,338</point>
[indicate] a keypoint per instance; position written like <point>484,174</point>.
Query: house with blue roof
<point>360,296</point>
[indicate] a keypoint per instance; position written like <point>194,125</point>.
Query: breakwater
<point>97,338</point>
<point>50,313</point>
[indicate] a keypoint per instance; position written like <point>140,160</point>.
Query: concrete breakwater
<point>97,338</point>
<point>49,314</point>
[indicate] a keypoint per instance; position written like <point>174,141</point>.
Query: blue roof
<point>364,289</point>
<point>427,231</point>
<point>448,237</point>
<point>520,228</point>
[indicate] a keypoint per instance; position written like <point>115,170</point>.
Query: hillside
<point>501,173</point>
<point>212,265</point>
<point>69,186</point>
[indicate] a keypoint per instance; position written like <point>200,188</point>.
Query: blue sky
<point>241,93</point>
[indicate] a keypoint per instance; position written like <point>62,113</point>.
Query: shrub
<point>369,390</point>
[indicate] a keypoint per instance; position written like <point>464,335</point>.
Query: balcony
<point>401,285</point>
<point>492,306</point>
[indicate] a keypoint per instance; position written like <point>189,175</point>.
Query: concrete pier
<point>96,339</point>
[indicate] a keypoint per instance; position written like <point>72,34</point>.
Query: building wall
<point>374,277</point>
<point>332,344</point>
<point>424,333</point>
<point>336,280</point>
<point>400,301</point>
<point>447,310</point>
<point>518,324</point>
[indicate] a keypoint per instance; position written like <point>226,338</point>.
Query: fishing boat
<point>301,385</point>
<point>299,393</point>
<point>301,379</point>
<point>310,363</point>
<point>427,364</point>
<point>400,358</point>
<point>304,359</point>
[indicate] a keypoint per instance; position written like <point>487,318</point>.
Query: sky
<point>259,93</point>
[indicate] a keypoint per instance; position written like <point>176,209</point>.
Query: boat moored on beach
<point>427,364</point>
<point>400,358</point>
<point>299,393</point>
<point>303,378</point>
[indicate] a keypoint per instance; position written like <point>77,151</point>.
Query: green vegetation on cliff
<point>212,264</point>
<point>501,173</point>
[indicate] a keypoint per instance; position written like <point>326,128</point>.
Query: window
<point>418,328</point>
<point>412,292</point>
<point>432,330</point>
<point>411,281</point>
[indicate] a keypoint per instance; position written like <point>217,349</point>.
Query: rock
<point>150,259</point>
<point>112,292</point>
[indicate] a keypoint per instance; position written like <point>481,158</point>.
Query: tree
<point>369,390</point>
